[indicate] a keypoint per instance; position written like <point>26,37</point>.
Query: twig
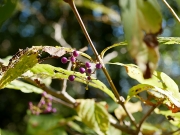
<point>126,129</point>
<point>61,95</point>
<point>119,98</point>
<point>172,11</point>
<point>145,117</point>
<point>72,5</point>
<point>62,102</point>
<point>65,80</point>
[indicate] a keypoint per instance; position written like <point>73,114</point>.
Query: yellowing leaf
<point>142,23</point>
<point>174,118</point>
<point>94,115</point>
<point>132,108</point>
<point>167,97</point>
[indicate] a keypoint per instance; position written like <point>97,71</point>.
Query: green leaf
<point>94,115</point>
<point>112,46</point>
<point>45,125</point>
<point>45,70</point>
<point>24,87</point>
<point>142,23</point>
<point>167,97</point>
<point>169,40</point>
<point>159,79</point>
<point>174,118</point>
<point>21,62</point>
<point>7,7</point>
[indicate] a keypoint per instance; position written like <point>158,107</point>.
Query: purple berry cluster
<point>83,68</point>
<point>44,106</point>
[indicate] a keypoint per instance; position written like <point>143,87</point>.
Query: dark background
<point>31,24</point>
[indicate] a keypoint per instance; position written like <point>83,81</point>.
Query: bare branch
<point>172,11</point>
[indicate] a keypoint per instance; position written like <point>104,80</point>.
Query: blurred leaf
<point>45,70</point>
<point>132,108</point>
<point>19,64</point>
<point>159,79</point>
<point>6,132</point>
<point>24,87</point>
<point>98,7</point>
<point>174,118</point>
<point>150,129</point>
<point>169,40</point>
<point>94,115</point>
<point>7,7</point>
<point>45,125</point>
<point>142,23</point>
<point>114,131</point>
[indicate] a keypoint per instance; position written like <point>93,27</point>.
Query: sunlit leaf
<point>94,115</point>
<point>167,97</point>
<point>19,64</point>
<point>24,87</point>
<point>159,79</point>
<point>112,46</point>
<point>142,23</point>
<point>174,118</point>
<point>169,40</point>
<point>45,70</point>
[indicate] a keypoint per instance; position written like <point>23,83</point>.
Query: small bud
<point>88,65</point>
<point>75,53</point>
<point>71,78</point>
<point>64,60</point>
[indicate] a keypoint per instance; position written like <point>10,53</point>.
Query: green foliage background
<point>31,24</point>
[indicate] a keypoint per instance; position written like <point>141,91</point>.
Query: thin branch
<point>72,5</point>
<point>61,95</point>
<point>65,80</point>
<point>126,129</point>
<point>62,102</point>
<point>172,11</point>
<point>132,119</point>
<point>119,98</point>
<point>145,116</point>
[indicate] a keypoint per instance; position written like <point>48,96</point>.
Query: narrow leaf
<point>169,40</point>
<point>24,87</point>
<point>45,70</point>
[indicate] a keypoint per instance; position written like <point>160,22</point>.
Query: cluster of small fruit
<point>83,68</point>
<point>44,106</point>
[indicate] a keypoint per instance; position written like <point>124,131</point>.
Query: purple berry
<point>64,60</point>
<point>75,53</point>
<point>71,78</point>
<point>44,94</point>
<point>82,70</point>
<point>42,102</point>
<point>54,110</point>
<point>87,64</point>
<point>72,59</point>
<point>89,78</point>
<point>48,109</point>
<point>30,105</point>
<point>89,71</point>
<point>98,66</point>
<point>49,104</point>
